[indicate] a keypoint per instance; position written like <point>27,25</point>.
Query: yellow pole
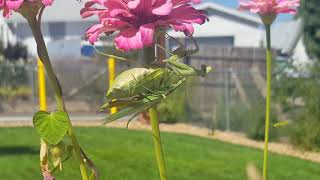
<point>43,107</point>
<point>42,87</point>
<point>112,74</point>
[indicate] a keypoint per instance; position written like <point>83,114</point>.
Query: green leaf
<point>52,127</point>
<point>92,177</point>
<point>56,152</point>
<point>281,124</point>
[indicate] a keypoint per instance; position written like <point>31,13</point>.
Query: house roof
<point>231,11</point>
<point>71,12</point>
<point>285,35</point>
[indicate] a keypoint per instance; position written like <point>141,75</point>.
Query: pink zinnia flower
<point>13,5</point>
<point>270,7</point>
<point>137,20</point>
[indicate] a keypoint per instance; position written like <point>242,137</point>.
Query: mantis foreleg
<point>185,70</point>
<point>113,56</point>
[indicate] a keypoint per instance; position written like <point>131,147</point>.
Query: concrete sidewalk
<point>77,120</point>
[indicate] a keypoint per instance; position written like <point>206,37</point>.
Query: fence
<point>237,80</point>
<point>84,84</point>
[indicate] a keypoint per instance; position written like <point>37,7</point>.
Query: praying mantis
<point>139,89</point>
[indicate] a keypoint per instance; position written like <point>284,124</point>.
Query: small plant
<point>268,11</point>
<point>53,127</point>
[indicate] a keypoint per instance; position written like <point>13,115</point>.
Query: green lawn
<point>124,154</point>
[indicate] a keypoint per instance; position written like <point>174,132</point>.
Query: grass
<point>124,154</point>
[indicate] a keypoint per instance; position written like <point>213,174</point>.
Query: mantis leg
<point>113,56</point>
<point>185,70</point>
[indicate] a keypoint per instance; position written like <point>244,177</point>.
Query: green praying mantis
<point>139,89</point>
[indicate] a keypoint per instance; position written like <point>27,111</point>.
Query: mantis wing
<point>122,84</point>
<point>135,107</point>
<point>117,103</point>
<point>150,83</point>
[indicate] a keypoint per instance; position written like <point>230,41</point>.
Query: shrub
<point>250,121</point>
<point>238,116</point>
<point>175,107</point>
<point>256,124</point>
<point>15,93</point>
<point>305,133</point>
<point>13,74</point>
<point>306,126</point>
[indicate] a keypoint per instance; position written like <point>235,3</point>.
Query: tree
<point>16,52</point>
<point>306,127</point>
<point>310,12</point>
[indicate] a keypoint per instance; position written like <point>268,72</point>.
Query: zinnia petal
<point>164,9</point>
<point>47,2</point>
<point>13,5</point>
<point>94,31</point>
<point>137,20</point>
<point>129,39</point>
<point>147,34</point>
<point>270,7</point>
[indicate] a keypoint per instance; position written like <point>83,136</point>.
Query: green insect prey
<point>139,89</point>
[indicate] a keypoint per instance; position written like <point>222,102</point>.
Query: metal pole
<point>227,98</point>
<point>112,74</point>
<point>42,87</point>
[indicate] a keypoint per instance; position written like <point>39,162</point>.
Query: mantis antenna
<point>182,48</point>
<point>158,45</point>
<point>113,56</point>
<point>180,43</point>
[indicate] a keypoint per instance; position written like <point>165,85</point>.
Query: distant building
<point>287,38</point>
<point>64,32</point>
<point>227,27</point>
<point>6,35</point>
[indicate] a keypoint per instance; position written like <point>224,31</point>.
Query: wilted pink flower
<point>13,5</point>
<point>270,7</point>
<point>48,177</point>
<point>137,20</point>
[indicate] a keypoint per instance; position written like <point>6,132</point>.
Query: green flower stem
<point>43,54</point>
<point>157,142</point>
<point>149,57</point>
<point>268,101</point>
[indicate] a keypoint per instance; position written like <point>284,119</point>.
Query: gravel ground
<point>230,137</point>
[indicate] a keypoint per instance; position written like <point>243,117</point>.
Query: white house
<point>227,27</point>
<point>62,31</point>
<point>287,38</point>
<point>65,31</point>
<point>6,35</point>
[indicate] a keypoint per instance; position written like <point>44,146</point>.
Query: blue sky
<point>234,4</point>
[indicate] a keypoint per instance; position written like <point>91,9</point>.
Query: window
<point>220,41</point>
<point>57,30</point>
<point>217,41</point>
